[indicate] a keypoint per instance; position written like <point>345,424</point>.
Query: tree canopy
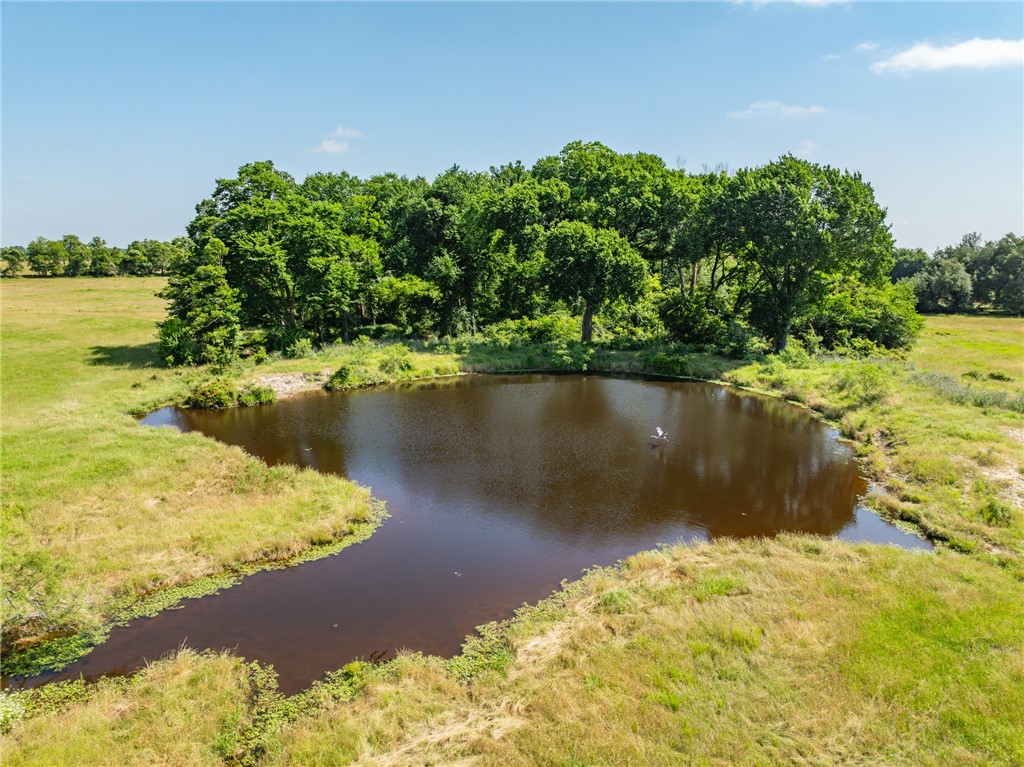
<point>623,242</point>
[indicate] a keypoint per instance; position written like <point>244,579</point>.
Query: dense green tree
<point>998,274</point>
<point>787,247</point>
<point>624,192</point>
<point>505,234</point>
<point>964,251</point>
<point>301,258</point>
<point>408,302</point>
<point>14,259</point>
<point>133,261</point>
<point>591,266</point>
<point>102,261</point>
<point>46,257</point>
<point>203,326</point>
<point>943,286</point>
<point>76,254</point>
<point>881,313</point>
<point>799,225</point>
<point>909,261</point>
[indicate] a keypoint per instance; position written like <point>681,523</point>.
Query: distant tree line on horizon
<point>966,277</point>
<point>70,256</point>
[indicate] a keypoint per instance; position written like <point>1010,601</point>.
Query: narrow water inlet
<point>499,487</point>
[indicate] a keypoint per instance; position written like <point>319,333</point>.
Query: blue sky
<point>118,117</point>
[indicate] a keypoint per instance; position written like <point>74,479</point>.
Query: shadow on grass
<point>136,357</point>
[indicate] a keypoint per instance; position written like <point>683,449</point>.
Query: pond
<point>498,488</point>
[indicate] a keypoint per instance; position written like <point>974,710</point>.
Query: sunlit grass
<point>794,651</point>
<point>736,653</point>
<point>96,508</point>
<point>947,462</point>
<point>159,720</point>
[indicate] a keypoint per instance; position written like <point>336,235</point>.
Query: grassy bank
<point>95,509</point>
<point>784,652</point>
<point>791,651</point>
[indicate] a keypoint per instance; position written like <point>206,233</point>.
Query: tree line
<point>968,276</point>
<point>70,256</point>
<point>628,247</point>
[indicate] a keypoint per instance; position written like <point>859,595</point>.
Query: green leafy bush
<point>299,348</point>
<point>795,355</point>
<point>251,394</point>
<point>996,512</point>
<point>706,322</point>
<point>212,394</point>
<point>865,383</point>
<point>396,360</point>
<point>177,347</point>
<point>343,378</point>
<point>884,315</point>
<point>558,327</point>
<point>668,364</point>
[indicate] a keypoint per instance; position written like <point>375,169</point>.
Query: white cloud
<point>831,57</point>
<point>775,109</point>
<point>331,144</point>
<point>867,45</point>
<point>971,54</point>
<point>806,148</point>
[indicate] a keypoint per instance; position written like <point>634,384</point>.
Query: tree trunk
<point>588,322</point>
<point>781,338</point>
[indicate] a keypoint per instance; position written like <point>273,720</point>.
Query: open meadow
<point>795,650</point>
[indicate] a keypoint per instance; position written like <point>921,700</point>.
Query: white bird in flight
<point>660,434</point>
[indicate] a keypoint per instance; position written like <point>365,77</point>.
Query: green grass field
<point>793,651</point>
<point>97,510</point>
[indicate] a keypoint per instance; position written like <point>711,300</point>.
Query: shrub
<point>350,376</point>
<point>251,394</point>
<point>299,348</point>
<point>996,512</point>
<point>546,329</point>
<point>865,383</point>
<point>704,320</point>
<point>795,355</point>
<point>212,394</point>
<point>883,315</point>
<point>396,360</point>
<point>775,375</point>
<point>344,377</point>
<point>177,347</point>
<point>669,364</point>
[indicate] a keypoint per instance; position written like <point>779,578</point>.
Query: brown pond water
<point>498,489</point>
